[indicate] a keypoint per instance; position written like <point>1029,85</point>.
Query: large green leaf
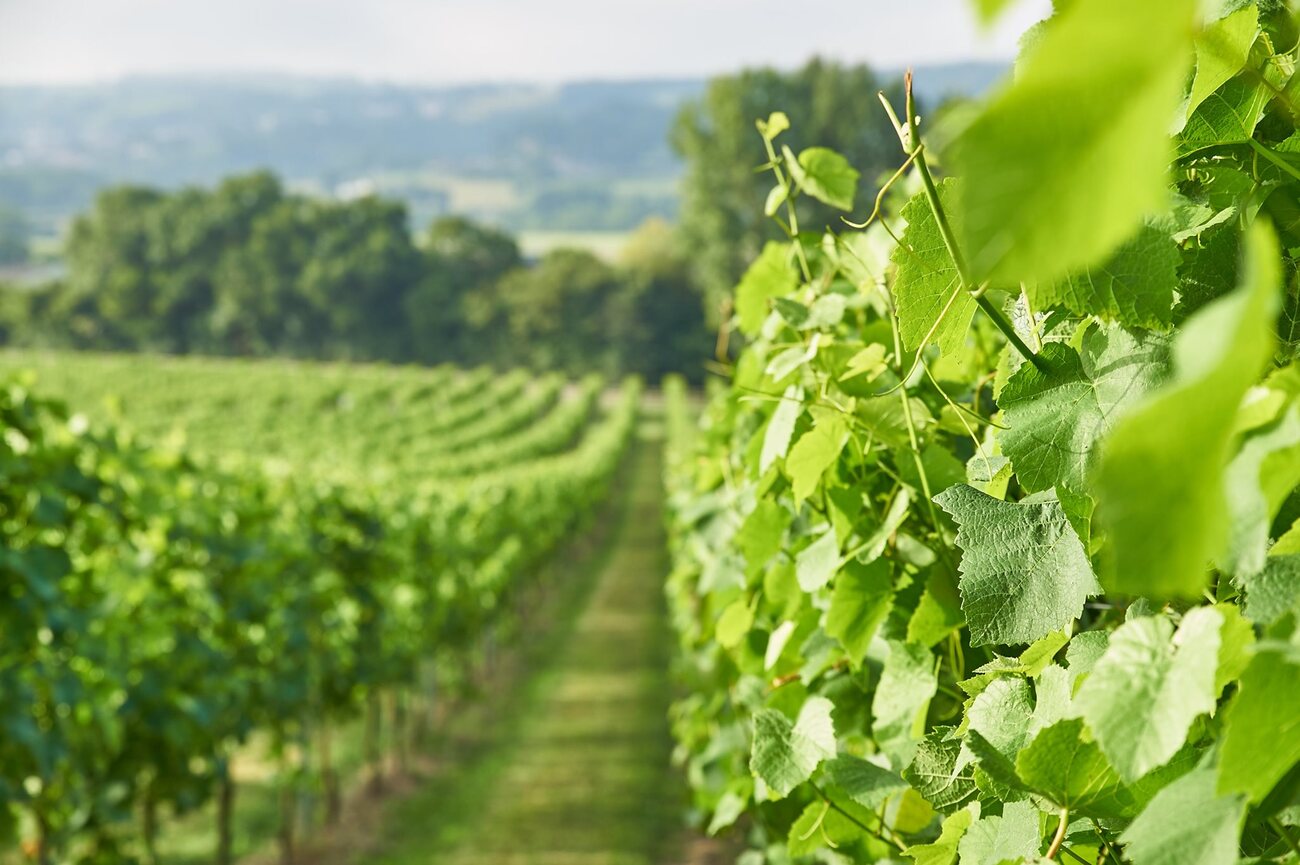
<point>1056,418</point>
<point>1134,286</point>
<point>826,176</point>
<point>1011,837</point>
<point>1024,572</point>
<point>1227,116</point>
<point>785,755</point>
<point>814,452</point>
<point>860,601</point>
<point>943,850</point>
<point>1073,773</point>
<point>1261,739</point>
<point>932,306</point>
<point>1222,48</point>
<point>1259,479</point>
<point>1146,690</point>
<point>902,696</point>
<point>1063,163</point>
<point>1160,479</point>
<point>1187,823</point>
<point>770,276</point>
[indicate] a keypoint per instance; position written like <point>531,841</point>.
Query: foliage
<point>984,554</point>
<point>248,269</point>
<point>163,605</point>
<point>828,104</point>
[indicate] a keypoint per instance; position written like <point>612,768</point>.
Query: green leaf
<point>1146,690</point>
<point>1160,480</point>
<point>762,534</point>
<point>933,772</point>
<point>815,452</point>
<point>818,562</point>
<point>734,623</point>
<point>1261,738</point>
<point>933,308</point>
<point>1222,48</point>
<point>1024,572</point>
<point>785,755</point>
<point>860,601</point>
<point>1056,418</point>
<point>776,123</point>
<point>780,429</point>
<point>1073,773</point>
<point>1064,162</point>
<point>1134,286</point>
<point>1275,590</point>
<point>863,781</point>
<point>821,826</point>
<point>1258,480</point>
<point>1228,116</point>
<point>907,684</point>
<point>770,276</point>
<point>943,851</point>
<point>826,176</point>
<point>996,839</point>
<point>1186,823</point>
<point>989,10</point>
<point>1000,715</point>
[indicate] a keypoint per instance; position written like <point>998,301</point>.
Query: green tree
<point>462,262</point>
<point>658,319</point>
<point>830,105</point>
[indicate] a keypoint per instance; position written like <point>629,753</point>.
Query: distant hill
<point>579,156</point>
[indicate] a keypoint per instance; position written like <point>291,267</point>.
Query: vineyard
<point>310,546</point>
<point>981,545</point>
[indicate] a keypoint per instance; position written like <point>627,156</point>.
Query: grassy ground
<point>574,768</point>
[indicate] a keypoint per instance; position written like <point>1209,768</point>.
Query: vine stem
<point>910,136</point>
<point>1060,834</point>
<point>1273,158</point>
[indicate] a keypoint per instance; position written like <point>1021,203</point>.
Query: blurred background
<point>559,185</point>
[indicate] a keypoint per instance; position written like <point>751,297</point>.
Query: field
<point>978,545</point>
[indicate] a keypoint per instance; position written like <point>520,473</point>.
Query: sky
<point>462,41</point>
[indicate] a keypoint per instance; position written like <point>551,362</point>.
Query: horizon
<point>398,43</point>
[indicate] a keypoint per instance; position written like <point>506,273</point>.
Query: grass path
<point>574,770</point>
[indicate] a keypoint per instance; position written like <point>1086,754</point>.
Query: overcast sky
<point>456,41</point>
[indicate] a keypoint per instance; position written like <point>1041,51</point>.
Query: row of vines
<point>166,602</point>
<point>988,550</point>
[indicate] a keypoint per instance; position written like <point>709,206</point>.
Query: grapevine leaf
<point>933,308</point>
<point>1007,838</point>
<point>826,176</point>
<point>785,755</point>
<point>760,536</point>
<point>943,851</point>
<point>1228,116</point>
<point>1146,690</point>
<point>1000,715</point>
<point>815,452</point>
<point>902,698</point>
<point>1259,478</point>
<point>1261,739</point>
<point>1186,823</point>
<point>1222,49</point>
<point>934,774</point>
<point>860,601</point>
<point>1073,773</point>
<point>770,276</point>
<point>780,429</point>
<point>734,623</point>
<point>1160,495</point>
<point>818,562</point>
<point>1055,418</point>
<point>863,781</point>
<point>1275,590</point>
<point>1064,162</point>
<point>1024,572</point>
<point>1134,286</point>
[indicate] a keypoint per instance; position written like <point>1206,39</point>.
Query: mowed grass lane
<point>577,769</point>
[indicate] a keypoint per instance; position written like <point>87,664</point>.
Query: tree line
<point>251,268</point>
